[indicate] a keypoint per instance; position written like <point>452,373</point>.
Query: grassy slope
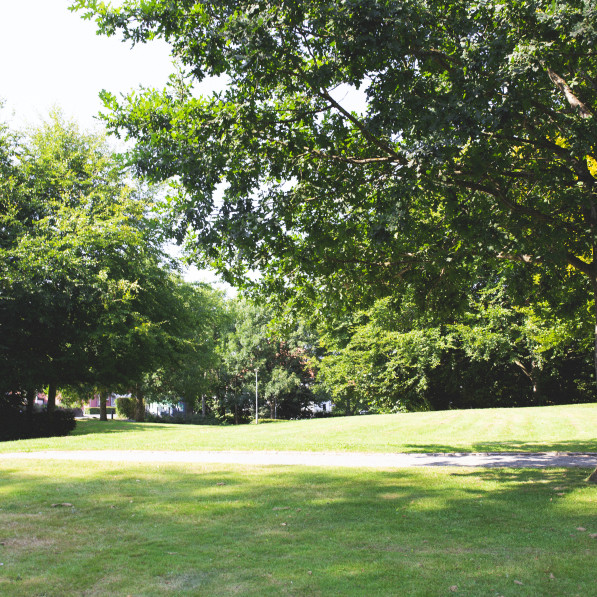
<point>562,428</point>
<point>252,531</point>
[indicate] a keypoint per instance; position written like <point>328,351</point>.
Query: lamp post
<point>256,400</point>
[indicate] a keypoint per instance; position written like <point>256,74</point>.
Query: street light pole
<point>256,400</point>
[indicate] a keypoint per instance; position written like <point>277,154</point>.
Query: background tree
<point>495,354</point>
<point>87,296</point>
<point>282,360</point>
<point>186,372</point>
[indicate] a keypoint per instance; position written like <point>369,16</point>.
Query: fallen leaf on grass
<point>517,582</point>
<point>454,588</point>
<point>551,576</point>
<point>283,524</point>
<point>309,572</point>
<point>62,505</point>
<point>560,494</point>
<point>593,535</point>
<point>220,483</point>
<point>581,529</point>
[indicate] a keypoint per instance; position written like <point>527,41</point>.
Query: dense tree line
<point>91,304</point>
<point>88,300</point>
<point>492,355</point>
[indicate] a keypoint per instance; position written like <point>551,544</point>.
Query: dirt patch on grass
<point>26,543</point>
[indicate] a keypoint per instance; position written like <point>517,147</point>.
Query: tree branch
<point>586,268</point>
<point>574,102</point>
<point>370,137</point>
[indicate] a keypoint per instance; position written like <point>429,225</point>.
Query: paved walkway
<point>330,459</point>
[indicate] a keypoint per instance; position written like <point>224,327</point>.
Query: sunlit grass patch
<point>222,530</point>
<point>561,428</point>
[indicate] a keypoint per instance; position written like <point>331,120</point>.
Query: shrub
<point>95,410</point>
<point>18,425</point>
<point>125,407</point>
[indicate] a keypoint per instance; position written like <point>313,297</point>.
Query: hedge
<point>95,410</point>
<point>125,407</point>
<point>18,425</point>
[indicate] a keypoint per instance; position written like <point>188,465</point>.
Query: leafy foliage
<point>476,142</point>
<point>282,363</point>
<point>493,355</point>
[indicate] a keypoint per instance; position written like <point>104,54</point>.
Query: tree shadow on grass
<point>588,445</point>
<point>92,426</point>
<point>220,530</point>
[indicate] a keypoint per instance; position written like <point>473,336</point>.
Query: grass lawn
<point>232,530</point>
<point>561,428</point>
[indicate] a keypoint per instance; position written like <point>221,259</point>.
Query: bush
<point>95,410</point>
<point>125,407</point>
<point>18,425</point>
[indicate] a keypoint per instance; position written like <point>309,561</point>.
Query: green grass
<point>561,428</point>
<point>215,530</point>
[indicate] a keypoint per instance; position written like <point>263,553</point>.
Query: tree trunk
<point>51,398</point>
<point>594,286</point>
<point>593,476</point>
<point>139,406</point>
<point>103,398</point>
<point>31,392</point>
<point>203,406</point>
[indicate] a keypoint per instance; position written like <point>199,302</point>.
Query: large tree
<point>477,142</point>
<point>85,288</point>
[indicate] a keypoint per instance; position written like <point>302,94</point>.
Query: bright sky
<point>52,57</point>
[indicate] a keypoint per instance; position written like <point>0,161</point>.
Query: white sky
<point>52,57</point>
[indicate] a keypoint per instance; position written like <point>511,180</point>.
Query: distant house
<point>95,401</point>
<point>41,400</point>
<point>323,407</point>
<point>157,408</point>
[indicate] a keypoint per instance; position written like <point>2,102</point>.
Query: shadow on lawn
<point>261,530</point>
<point>589,445</point>
<point>91,426</point>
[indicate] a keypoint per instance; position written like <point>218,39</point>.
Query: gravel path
<point>330,459</point>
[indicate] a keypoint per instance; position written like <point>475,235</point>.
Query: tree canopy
<point>477,141</point>
<point>86,293</point>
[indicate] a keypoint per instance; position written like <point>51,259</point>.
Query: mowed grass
<point>560,428</point>
<point>231,530</point>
